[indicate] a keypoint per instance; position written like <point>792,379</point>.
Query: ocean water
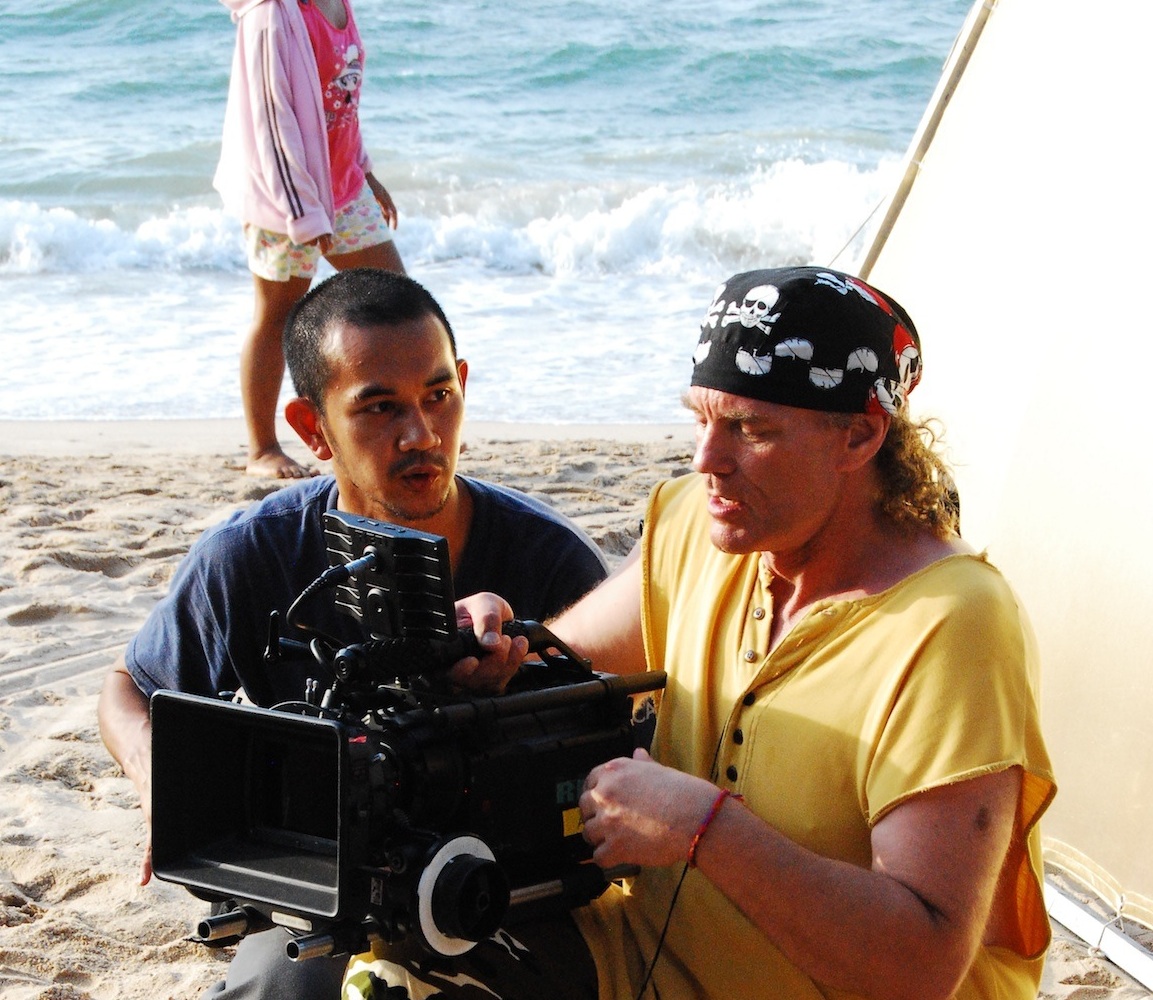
<point>574,177</point>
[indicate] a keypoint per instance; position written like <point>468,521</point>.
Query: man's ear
<point>864,435</point>
<point>462,373</point>
<point>304,418</point>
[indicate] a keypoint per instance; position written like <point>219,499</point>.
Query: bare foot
<point>275,464</point>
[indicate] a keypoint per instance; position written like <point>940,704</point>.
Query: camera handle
<point>546,645</point>
<point>541,641</point>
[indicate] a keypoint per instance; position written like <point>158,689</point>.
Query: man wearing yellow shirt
<point>844,785</point>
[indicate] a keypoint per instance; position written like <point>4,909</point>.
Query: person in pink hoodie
<point>293,167</point>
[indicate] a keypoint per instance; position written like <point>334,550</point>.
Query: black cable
<point>661,939</point>
<point>676,894</point>
<point>305,709</point>
<point>334,576</point>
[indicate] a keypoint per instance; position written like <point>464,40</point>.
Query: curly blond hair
<point>917,487</point>
<point>916,484</point>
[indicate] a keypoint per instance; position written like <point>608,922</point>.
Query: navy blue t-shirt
<point>210,632</point>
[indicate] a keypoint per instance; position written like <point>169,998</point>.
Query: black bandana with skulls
<point>809,337</point>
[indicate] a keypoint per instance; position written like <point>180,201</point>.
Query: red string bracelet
<point>712,814</point>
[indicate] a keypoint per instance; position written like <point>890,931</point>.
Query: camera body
<point>389,806</point>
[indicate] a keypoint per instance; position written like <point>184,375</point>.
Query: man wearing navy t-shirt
<point>380,394</point>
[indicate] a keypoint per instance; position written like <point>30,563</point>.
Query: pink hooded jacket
<point>274,170</point>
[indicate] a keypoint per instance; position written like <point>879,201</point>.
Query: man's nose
<point>712,454</point>
<point>418,432</point>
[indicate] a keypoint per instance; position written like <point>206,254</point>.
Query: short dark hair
<point>363,297</point>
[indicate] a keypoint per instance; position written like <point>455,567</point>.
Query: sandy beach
<point>93,519</point>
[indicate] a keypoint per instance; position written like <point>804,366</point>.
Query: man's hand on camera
<point>501,655</point>
<point>638,812</point>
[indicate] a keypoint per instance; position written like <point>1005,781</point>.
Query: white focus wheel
<point>445,855</point>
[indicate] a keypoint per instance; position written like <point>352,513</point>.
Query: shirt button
<point>731,773</point>
<point>758,613</point>
<point>750,698</point>
<point>738,737</point>
<point>750,655</point>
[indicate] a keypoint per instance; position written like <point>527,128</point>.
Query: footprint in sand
<point>113,565</point>
<point>37,613</point>
<point>74,769</point>
<point>16,906</point>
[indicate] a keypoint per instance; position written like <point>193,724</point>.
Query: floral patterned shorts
<point>359,225</point>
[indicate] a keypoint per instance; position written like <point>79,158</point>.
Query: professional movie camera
<point>385,804</point>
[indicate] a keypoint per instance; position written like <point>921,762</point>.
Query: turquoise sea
<point>574,177</point>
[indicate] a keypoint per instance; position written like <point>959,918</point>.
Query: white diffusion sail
<point>1020,242</point>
